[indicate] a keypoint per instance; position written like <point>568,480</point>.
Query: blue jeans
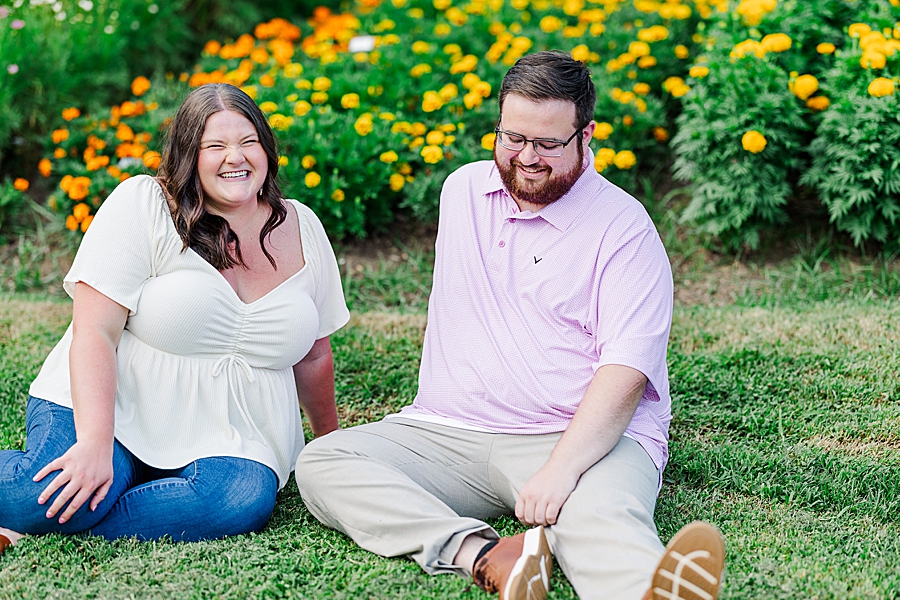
<point>209,498</point>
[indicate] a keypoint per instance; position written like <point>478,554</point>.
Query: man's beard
<point>539,193</point>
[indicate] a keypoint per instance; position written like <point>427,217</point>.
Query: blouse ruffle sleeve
<point>329,293</point>
<point>117,254</point>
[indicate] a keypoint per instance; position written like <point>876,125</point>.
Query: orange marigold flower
<point>97,163</point>
<point>660,134</point>
<point>70,113</point>
<point>86,223</point>
<point>20,184</point>
<point>140,85</point>
<point>59,135</point>
<point>212,47</point>
<point>151,159</point>
<point>124,133</point>
<point>96,143</point>
<point>80,211</point>
<point>267,81</point>
<point>45,167</point>
<point>71,223</point>
<point>59,153</point>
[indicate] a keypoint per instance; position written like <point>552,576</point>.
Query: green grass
<point>786,435</point>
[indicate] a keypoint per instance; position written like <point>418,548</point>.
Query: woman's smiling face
<point>232,163</point>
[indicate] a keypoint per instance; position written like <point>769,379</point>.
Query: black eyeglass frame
<point>498,131</point>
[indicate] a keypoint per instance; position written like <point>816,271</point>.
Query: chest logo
<point>537,260</point>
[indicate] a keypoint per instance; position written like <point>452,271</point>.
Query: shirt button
<point>502,244</point>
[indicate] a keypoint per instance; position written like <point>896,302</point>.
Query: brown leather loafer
<point>518,567</point>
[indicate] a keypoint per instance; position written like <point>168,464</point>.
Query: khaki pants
<point>403,487</point>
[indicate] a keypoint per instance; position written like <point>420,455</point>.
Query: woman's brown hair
<point>207,234</point>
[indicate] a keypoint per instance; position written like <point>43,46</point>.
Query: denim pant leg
<point>208,499</point>
<point>50,433</point>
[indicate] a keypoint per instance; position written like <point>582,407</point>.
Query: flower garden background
<point>761,106</point>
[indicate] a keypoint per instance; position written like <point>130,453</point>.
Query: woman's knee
<point>241,491</point>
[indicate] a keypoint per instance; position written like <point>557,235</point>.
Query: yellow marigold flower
<point>321,84</point>
<point>581,53</point>
<point>442,29</point>
<point>858,30</point>
<point>268,107</point>
<point>448,92</point>
<point>80,211</point>
<point>645,62</point>
<point>776,42</point>
<point>641,88</point>
<point>300,84</point>
<point>318,97</point>
<point>388,157</point>
<point>250,90</point>
<point>350,100</point>
<point>656,33</point>
<point>293,70</point>
<point>312,179</point>
<point>626,97</point>
<point>465,65</point>
<point>338,195</point>
<point>482,88</point>
<point>281,122</point>
<point>698,72</point>
<point>301,108</point>
<point>550,23</point>
<point>420,47</point>
<point>45,167</point>
<point>624,159</point>
<point>604,158</point>
<point>805,86</point>
<point>469,80</point>
<point>818,103</point>
<point>487,140</point>
<point>60,135</point>
<point>308,162</point>
<point>431,101</point>
<point>681,51</point>
<point>432,154</point>
<point>70,113</point>
<point>441,4</point>
<point>419,70</point>
<point>825,48</point>
<point>418,128</point>
<point>602,131</point>
<point>283,161</point>
<point>880,87</point>
<point>396,181</point>
<point>363,125</point>
<point>435,138</point>
<point>71,223</point>
<point>401,127</point>
<point>660,134</point>
<point>671,83</point>
<point>639,48</point>
<point>21,184</point>
<point>452,49</point>
<point>472,100</point>
<point>753,141</point>
<point>873,60</point>
<point>748,47</point>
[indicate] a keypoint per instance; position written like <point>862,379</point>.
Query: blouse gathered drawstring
<point>232,364</point>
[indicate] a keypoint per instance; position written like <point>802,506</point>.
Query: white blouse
<point>200,372</point>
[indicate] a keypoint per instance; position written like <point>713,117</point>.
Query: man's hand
<point>544,494</point>
<point>84,470</point>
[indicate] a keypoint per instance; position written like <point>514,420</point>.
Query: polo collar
<point>562,213</point>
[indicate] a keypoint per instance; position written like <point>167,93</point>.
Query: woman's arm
<point>86,468</point>
<point>314,375</point>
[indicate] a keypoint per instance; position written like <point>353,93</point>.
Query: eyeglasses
<point>542,146</point>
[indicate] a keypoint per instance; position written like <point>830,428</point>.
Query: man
<point>543,388</point>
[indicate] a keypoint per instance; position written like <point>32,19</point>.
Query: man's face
<point>528,176</point>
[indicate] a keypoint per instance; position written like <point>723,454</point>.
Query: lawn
<point>786,436</point>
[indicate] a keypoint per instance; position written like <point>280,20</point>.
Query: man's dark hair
<point>552,75</point>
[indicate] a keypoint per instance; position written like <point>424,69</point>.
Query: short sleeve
<point>635,304</point>
<point>329,294</point>
<point>117,253</point>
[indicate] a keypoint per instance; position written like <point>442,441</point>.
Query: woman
<point>202,308</point>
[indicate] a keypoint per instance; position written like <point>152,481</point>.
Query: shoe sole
<point>692,567</point>
<point>529,578</point>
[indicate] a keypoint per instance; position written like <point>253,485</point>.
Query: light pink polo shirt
<point>527,306</point>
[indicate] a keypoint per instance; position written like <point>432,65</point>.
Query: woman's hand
<point>84,470</point>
